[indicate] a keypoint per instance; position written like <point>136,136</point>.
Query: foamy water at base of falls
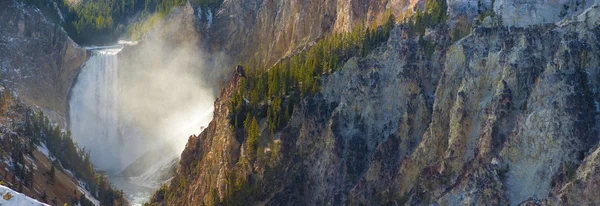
<point>136,194</point>
<point>100,121</point>
<point>95,126</point>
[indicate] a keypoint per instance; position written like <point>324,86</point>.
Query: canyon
<point>496,104</point>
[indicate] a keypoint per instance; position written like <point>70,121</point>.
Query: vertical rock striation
<point>501,116</point>
<point>38,60</point>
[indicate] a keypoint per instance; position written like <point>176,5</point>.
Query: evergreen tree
<point>253,134</point>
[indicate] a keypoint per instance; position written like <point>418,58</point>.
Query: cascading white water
<point>93,117</point>
<point>136,120</point>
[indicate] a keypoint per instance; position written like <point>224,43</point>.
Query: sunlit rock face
<point>502,116</point>
<point>269,30</point>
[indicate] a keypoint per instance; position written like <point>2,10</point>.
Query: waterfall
<point>93,117</point>
<point>135,120</point>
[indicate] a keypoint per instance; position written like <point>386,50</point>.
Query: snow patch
<point>31,161</point>
<point>17,199</point>
<point>209,17</point>
<point>44,150</point>
<point>67,171</point>
<point>88,195</point>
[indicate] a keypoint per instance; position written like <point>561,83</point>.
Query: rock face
<point>524,13</point>
<point>273,29</point>
<point>516,106</point>
<point>37,58</point>
<point>501,116</point>
<point>521,13</point>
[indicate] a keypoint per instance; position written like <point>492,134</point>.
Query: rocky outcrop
<point>267,30</point>
<point>37,58</point>
<point>501,116</point>
<point>520,13</point>
<point>525,13</point>
<point>507,116</point>
<point>208,158</point>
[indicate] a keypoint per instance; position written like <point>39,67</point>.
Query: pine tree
<point>253,134</point>
<point>51,175</point>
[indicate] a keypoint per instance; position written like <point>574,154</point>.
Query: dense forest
<point>30,130</point>
<point>102,22</point>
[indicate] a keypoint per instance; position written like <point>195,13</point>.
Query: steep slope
<point>511,113</point>
<point>34,165</point>
<point>37,58</point>
<point>265,30</point>
<point>332,152</point>
<point>505,115</point>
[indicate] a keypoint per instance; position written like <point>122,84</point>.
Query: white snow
<point>17,199</point>
<point>88,196</point>
<point>43,149</point>
<point>31,161</point>
<point>67,171</point>
<point>209,17</point>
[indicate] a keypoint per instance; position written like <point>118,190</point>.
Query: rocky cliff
<point>506,115</point>
<point>37,58</point>
<point>266,30</point>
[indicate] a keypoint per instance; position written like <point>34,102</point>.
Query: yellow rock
<point>7,196</point>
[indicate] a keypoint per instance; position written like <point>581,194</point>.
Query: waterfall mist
<point>166,91</point>
<point>147,98</point>
<point>134,106</point>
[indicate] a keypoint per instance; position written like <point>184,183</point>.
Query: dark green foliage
<point>270,95</point>
<point>242,191</point>
<point>20,168</point>
<point>98,21</point>
<point>253,134</point>
<point>274,92</point>
<point>51,175</point>
<point>435,11</point>
<point>61,145</point>
<point>28,131</point>
<point>433,14</point>
<point>84,201</point>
